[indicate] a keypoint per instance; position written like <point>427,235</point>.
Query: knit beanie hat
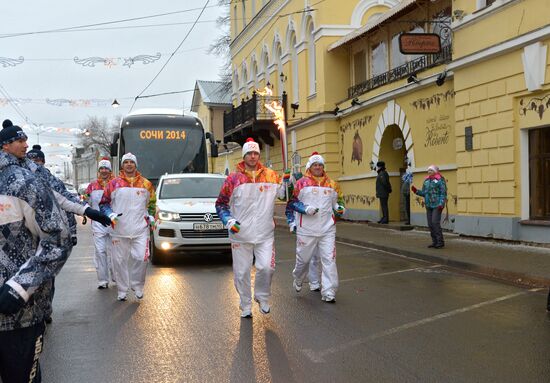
<point>315,158</point>
<point>250,146</point>
<point>11,133</point>
<point>129,156</point>
<point>434,168</point>
<point>104,163</point>
<point>36,153</point>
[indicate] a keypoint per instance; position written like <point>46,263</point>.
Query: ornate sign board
<point>419,43</point>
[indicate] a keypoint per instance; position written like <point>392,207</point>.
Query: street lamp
<point>115,104</point>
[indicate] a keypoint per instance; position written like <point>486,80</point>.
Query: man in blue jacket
<point>34,243</point>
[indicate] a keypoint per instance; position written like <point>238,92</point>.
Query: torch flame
<point>274,107</point>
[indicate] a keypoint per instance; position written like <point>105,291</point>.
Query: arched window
<point>311,59</point>
<point>244,77</point>
<point>278,53</point>
<point>244,13</point>
<point>254,72</point>
<point>379,59</point>
<point>294,66</point>
<point>397,58</point>
<point>235,25</point>
<point>265,64</point>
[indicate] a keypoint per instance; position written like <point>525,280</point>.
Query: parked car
<point>187,216</point>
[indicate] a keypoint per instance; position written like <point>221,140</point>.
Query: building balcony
<point>252,119</point>
<point>402,71</point>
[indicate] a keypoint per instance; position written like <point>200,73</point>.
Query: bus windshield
<point>164,144</point>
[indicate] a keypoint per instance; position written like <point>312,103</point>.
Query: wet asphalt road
<point>395,320</point>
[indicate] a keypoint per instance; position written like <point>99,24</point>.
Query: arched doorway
<point>393,144</point>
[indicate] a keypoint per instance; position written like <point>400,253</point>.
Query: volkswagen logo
<point>208,217</point>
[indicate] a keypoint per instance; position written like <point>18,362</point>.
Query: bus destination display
<point>161,134</point>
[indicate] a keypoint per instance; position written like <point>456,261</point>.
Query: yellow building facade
<point>356,99</point>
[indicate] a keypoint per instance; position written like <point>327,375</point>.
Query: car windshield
<point>193,187</point>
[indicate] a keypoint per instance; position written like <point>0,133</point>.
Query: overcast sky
<point>50,72</point>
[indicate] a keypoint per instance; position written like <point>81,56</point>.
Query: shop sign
<point>419,43</point>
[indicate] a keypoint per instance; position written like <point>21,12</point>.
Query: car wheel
<point>157,258</point>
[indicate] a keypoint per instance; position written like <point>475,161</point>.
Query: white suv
<point>187,215</point>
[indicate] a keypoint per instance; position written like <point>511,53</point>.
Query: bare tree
<point>98,132</point>
<point>220,46</point>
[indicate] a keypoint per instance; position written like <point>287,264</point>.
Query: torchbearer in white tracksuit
<point>245,205</point>
<point>102,235</point>
<point>129,200</point>
<point>317,201</point>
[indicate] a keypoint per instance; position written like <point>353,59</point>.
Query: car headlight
<point>168,216</point>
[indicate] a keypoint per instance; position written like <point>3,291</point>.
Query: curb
<point>507,276</point>
<point>511,277</point>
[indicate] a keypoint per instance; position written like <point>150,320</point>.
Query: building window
<point>235,25</point>
<point>484,3</point>
<point>252,8</point>
<point>244,13</point>
<point>379,59</point>
<point>265,64</point>
<point>359,67</point>
<point>311,60</point>
<point>294,75</point>
<point>397,58</point>
<point>539,174</point>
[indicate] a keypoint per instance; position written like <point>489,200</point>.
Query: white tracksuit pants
<point>102,256</point>
<point>265,266</point>
<point>326,247</point>
<point>314,273</point>
<point>130,257</point>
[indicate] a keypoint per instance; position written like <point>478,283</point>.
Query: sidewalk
<point>519,264</point>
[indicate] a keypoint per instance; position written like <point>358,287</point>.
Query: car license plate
<point>207,226</point>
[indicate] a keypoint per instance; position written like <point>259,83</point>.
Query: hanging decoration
<point>114,61</point>
<point>78,103</point>
<point>6,61</point>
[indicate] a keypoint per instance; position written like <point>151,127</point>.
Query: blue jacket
<point>34,241</point>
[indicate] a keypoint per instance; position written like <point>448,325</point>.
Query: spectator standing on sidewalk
<point>383,190</point>
<point>317,199</point>
<point>434,191</point>
<point>245,206</point>
<point>130,201</point>
<point>406,193</point>
<point>34,245</point>
<point>101,235</point>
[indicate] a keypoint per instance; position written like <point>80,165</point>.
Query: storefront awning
<point>373,23</point>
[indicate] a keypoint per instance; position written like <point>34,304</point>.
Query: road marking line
<point>374,250</point>
<point>319,356</point>
<point>389,273</point>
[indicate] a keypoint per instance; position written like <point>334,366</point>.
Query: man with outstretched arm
<point>34,245</point>
<point>130,201</point>
<point>245,206</point>
<point>317,200</point>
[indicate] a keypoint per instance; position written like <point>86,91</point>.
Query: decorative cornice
<point>500,49</point>
<point>257,24</point>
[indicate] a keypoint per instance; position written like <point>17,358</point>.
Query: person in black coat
<point>383,190</point>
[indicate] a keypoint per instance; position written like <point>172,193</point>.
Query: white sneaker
<point>121,297</point>
<point>264,306</point>
<point>247,313</point>
<point>297,285</point>
<point>328,298</point>
<point>139,294</point>
<point>314,287</point>
<point>103,285</point>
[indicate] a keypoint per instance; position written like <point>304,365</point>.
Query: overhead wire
<point>172,55</point>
